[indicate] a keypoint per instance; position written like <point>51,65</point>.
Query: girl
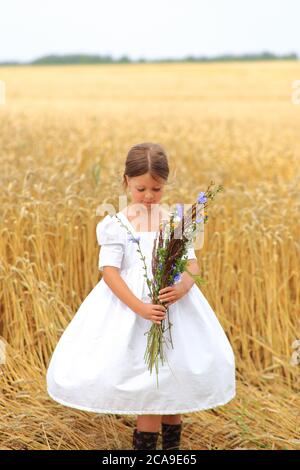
<point>98,364</point>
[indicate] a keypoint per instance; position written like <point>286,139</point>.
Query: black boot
<point>144,440</point>
<point>171,436</point>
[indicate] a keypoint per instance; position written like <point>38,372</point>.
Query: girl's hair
<point>146,158</point>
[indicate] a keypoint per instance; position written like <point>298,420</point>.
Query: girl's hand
<point>153,312</point>
<point>169,295</point>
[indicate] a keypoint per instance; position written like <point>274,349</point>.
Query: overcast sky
<point>149,29</point>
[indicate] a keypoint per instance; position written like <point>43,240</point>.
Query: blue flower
<point>179,208</point>
<point>201,197</point>
<point>133,239</point>
<point>160,265</point>
<point>177,277</point>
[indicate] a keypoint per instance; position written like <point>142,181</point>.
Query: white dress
<point>98,364</point>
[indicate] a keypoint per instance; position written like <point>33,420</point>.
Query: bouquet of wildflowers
<point>169,260</point>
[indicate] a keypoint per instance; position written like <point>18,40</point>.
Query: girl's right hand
<point>153,312</point>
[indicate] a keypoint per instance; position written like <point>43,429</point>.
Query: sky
<point>147,29</point>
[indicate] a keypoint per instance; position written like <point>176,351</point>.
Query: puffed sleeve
<point>191,252</point>
<point>110,237</point>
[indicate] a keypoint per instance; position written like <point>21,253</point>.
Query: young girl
<point>98,364</point>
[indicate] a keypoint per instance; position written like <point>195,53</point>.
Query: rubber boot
<point>171,434</point>
<point>144,440</point>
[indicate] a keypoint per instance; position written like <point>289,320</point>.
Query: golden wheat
<point>64,135</point>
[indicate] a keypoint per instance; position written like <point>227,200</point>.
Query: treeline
<point>107,59</point>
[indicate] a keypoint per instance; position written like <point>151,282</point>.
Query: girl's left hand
<point>171,294</point>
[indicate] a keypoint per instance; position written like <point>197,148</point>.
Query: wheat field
<point>64,135</point>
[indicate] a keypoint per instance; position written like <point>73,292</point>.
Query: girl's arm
<point>119,287</point>
<point>187,280</point>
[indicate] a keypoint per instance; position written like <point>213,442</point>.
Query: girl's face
<point>145,190</point>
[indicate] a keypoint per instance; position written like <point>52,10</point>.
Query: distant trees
<point>108,59</point>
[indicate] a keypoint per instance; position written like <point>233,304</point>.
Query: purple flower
<point>201,197</point>
<point>199,220</point>
<point>133,239</point>
<point>179,208</point>
<point>160,265</point>
<point>177,277</point>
